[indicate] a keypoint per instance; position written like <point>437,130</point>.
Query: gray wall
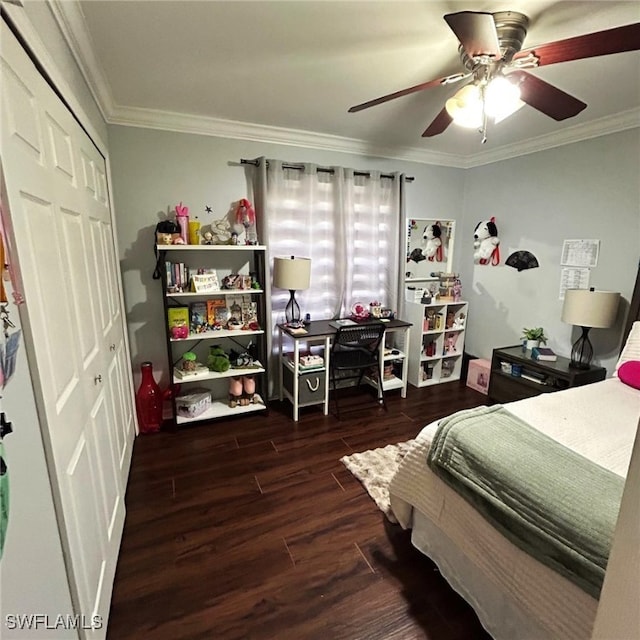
<point>591,190</point>
<point>153,171</point>
<point>584,190</point>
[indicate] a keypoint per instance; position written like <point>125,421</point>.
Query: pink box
<point>478,375</point>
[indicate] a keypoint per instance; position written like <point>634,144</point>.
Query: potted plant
<point>534,337</point>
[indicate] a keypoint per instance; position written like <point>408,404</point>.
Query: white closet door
<point>74,322</point>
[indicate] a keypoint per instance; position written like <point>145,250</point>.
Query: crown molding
<point>568,135</point>
<point>202,125</point>
<point>73,26</point>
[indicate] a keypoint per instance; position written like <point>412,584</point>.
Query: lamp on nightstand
<point>588,309</point>
<point>293,274</point>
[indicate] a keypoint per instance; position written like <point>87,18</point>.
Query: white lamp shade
<point>501,98</point>
<point>291,273</point>
<point>465,107</point>
<point>590,308</point>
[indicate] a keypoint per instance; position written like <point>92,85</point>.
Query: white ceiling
<point>288,71</point>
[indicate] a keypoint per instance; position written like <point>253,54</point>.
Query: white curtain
<point>351,226</point>
<point>348,224</point>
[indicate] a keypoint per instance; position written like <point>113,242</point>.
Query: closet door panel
<point>59,208</point>
<point>81,289</point>
<point>51,314</point>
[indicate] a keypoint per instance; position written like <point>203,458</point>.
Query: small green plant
<point>536,333</point>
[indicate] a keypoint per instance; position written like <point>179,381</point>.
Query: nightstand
<point>536,376</point>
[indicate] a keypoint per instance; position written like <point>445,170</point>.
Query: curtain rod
<point>300,167</point>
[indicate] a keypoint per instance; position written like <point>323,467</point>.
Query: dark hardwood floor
<point>253,528</point>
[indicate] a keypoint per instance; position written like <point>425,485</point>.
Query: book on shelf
<point>307,367</point>
<point>543,353</point>
<point>198,317</point>
<point>199,371</point>
<point>215,313</point>
<point>178,317</point>
<point>532,378</point>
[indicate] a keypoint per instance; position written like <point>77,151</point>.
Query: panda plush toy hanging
<point>432,242</point>
<point>486,243</point>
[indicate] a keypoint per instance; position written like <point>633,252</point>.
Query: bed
<point>515,595</point>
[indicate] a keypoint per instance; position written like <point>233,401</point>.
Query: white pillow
<point>631,350</point>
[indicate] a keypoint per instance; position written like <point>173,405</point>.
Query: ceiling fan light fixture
<point>465,107</point>
<point>502,98</point>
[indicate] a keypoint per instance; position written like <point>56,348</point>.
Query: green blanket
<point>548,500</point>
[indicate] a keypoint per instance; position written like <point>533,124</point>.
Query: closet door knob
<point>112,347</point>
<point>97,379</point>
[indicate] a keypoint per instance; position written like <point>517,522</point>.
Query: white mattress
<point>514,595</point>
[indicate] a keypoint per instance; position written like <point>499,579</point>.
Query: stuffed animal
<point>432,245</point>
<point>221,231</point>
<point>486,243</point>
<point>218,360</point>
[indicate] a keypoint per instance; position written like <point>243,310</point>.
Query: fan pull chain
<point>483,130</point>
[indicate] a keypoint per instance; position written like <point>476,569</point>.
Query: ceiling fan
<point>491,52</point>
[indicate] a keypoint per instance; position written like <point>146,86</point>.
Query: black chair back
<point>356,348</point>
<point>364,338</point>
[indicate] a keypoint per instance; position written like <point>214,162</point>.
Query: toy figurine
<point>450,320</point>
<point>246,221</point>
<point>235,391</point>
<point>457,290</point>
<point>189,361</point>
<point>180,331</point>
<point>248,390</point>
<point>450,343</point>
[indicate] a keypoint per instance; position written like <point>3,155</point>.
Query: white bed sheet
<point>515,596</point>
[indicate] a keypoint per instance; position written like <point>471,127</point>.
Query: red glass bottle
<point>149,401</point>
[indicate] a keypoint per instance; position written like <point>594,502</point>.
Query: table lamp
<point>292,274</point>
<point>588,309</point>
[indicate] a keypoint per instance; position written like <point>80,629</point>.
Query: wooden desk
<point>320,332</point>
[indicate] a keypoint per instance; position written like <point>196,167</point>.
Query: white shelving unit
<point>394,351</point>
<point>437,339</point>
<point>226,260</point>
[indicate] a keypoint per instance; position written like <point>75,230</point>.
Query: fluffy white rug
<point>375,468</point>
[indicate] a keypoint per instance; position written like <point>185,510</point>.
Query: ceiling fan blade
<point>601,43</point>
<point>405,92</point>
<point>439,124</point>
<point>476,32</point>
<point>544,97</point>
